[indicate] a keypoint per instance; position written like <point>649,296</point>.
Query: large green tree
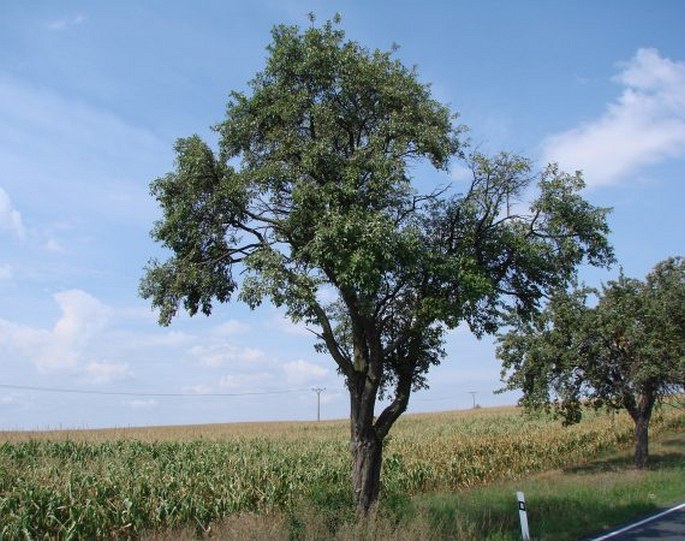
<point>311,189</point>
<point>624,351</point>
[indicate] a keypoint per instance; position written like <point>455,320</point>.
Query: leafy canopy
<point>311,188</point>
<point>626,350</point>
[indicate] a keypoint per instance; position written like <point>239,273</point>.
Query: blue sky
<point>93,95</point>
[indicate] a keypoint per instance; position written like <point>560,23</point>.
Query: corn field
<point>126,483</point>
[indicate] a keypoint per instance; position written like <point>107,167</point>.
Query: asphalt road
<point>669,525</point>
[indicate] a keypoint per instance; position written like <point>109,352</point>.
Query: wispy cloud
<point>74,154</point>
<point>221,353</point>
<point>7,400</point>
<point>54,246</point>
<point>10,218</point>
<point>246,382</point>
<point>198,389</point>
<point>101,373</point>
<point>280,323</point>
<point>64,23</point>
<point>231,327</point>
<point>141,404</point>
<point>302,373</point>
<point>644,126</point>
<point>6,272</point>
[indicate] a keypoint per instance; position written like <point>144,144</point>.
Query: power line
<point>146,395</point>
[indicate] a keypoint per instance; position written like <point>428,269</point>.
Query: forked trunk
<point>368,431</point>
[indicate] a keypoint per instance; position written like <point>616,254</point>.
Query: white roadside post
<point>523,516</point>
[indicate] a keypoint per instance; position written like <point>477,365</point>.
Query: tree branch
<point>327,335</point>
<point>398,406</point>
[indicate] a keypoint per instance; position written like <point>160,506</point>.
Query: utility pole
<point>318,391</point>
<point>473,395</point>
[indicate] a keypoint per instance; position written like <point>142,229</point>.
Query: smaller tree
<point>625,352</point>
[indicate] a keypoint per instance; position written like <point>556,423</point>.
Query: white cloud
<point>644,126</point>
<point>327,294</point>
<point>460,172</point>
<point>83,317</point>
<point>215,355</point>
<point>140,404</point>
<point>54,246</point>
<point>82,313</point>
<point>281,323</point>
<point>198,389</point>
<point>101,373</point>
<point>246,382</point>
<point>250,355</point>
<point>302,373</point>
<point>11,221</point>
<point>10,218</point>
<point>64,23</point>
<point>65,345</point>
<point>231,327</point>
<point>21,337</point>
<point>167,339</point>
<point>7,400</point>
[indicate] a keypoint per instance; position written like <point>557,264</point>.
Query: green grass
<point>566,504</point>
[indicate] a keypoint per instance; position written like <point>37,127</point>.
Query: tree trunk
<point>366,445</point>
<point>367,454</point>
<point>641,412</point>
<point>641,441</point>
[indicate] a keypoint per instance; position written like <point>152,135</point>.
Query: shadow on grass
<point>666,453</point>
<point>678,443</point>
<point>661,461</point>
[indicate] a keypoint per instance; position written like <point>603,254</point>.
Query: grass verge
<point>567,504</point>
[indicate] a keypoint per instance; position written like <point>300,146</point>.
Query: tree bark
<point>367,454</point>
<point>641,442</point>
<point>641,412</point>
<point>365,444</point>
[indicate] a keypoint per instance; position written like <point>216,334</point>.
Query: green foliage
<point>199,200</point>
<point>312,186</point>
<point>626,351</point>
